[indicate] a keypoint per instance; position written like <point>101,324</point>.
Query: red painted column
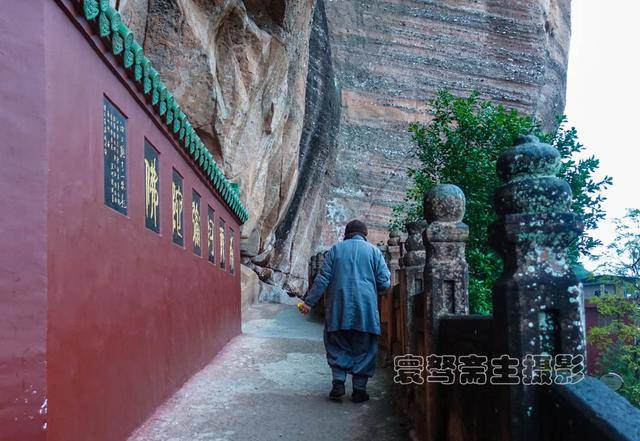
<point>23,217</point>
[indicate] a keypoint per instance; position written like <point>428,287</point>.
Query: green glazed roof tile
<point>137,72</point>
<point>138,53</point>
<point>176,125</point>
<point>128,59</point>
<point>104,26</point>
<point>162,106</point>
<point>117,44</point>
<point>146,65</point>
<point>107,23</point>
<point>126,34</point>
<point>114,18</point>
<point>91,9</point>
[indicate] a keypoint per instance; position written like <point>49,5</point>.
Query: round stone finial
<point>528,171</point>
<point>394,238</point>
<point>528,157</point>
<point>444,203</point>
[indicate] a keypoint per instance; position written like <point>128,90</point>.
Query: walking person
<point>352,274</point>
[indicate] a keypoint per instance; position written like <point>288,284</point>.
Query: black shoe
<point>359,395</point>
<point>337,390</point>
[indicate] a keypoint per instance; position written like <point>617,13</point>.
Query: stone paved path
<point>271,383</point>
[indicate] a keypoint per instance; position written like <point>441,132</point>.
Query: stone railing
<point>410,284</point>
<point>390,314</point>
<point>538,315</point>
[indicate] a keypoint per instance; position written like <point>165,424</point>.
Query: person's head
<point>355,227</point>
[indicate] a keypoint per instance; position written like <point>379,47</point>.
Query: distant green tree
<point>460,145</point>
<point>618,342</point>
<point>621,257</point>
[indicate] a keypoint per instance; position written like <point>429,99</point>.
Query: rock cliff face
<point>238,69</point>
<point>308,110</point>
<point>298,232</point>
<point>392,56</point>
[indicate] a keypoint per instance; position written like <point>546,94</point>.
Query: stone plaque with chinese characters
<point>151,188</point>
<point>232,265</point>
<point>177,208</point>
<point>222,243</point>
<point>196,238</point>
<point>211,231</point>
<point>115,157</point>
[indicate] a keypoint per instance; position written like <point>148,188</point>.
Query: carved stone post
<point>387,300</point>
<point>411,282</point>
<point>445,280</point>
<point>445,272</point>
<point>394,253</point>
<point>537,301</point>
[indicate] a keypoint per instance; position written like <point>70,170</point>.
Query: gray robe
<point>352,274</point>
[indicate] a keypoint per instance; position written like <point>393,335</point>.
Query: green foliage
<point>461,145</point>
<point>617,342</point>
<point>618,339</point>
<point>622,256</point>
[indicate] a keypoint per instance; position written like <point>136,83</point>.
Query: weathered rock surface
<point>317,140</point>
<point>250,287</point>
<point>274,294</point>
<point>390,57</point>
<point>238,69</point>
<point>298,233</point>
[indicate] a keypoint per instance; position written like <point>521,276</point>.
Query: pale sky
<point>603,96</point>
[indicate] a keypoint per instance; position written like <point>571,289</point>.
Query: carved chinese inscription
<point>115,158</point>
<point>211,231</point>
<point>195,219</point>
<point>232,266</point>
<point>222,242</point>
<point>177,208</point>
<point>151,188</point>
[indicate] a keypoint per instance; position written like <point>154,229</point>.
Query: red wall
<point>23,198</point>
<point>130,315</point>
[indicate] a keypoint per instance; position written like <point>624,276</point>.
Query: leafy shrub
<point>618,342</point>
<point>460,145</point>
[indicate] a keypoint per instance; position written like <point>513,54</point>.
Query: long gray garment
<point>351,352</point>
<point>352,274</point>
